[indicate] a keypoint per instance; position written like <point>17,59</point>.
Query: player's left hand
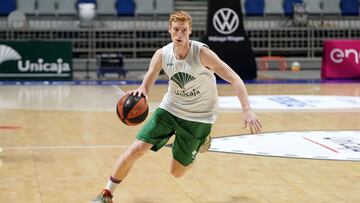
<point>253,122</point>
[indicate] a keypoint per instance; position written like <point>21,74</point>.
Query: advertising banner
<point>341,59</point>
<point>35,60</point>
<point>227,38</point>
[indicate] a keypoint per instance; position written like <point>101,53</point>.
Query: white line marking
<point>118,89</point>
<point>67,147</point>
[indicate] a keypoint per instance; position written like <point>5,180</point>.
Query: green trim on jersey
<point>189,137</point>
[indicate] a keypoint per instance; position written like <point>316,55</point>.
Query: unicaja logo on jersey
<point>8,54</point>
<point>225,21</point>
<point>181,79</point>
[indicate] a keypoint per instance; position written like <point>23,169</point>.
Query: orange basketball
<point>132,110</point>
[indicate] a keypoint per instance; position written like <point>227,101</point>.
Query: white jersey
<point>192,93</point>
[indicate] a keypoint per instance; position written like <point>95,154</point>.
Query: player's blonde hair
<point>180,16</point>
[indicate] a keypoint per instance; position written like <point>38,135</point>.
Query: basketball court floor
<point>60,142</point>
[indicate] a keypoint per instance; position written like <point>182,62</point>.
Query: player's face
<point>180,33</point>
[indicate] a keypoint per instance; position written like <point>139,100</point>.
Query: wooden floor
<point>60,144</point>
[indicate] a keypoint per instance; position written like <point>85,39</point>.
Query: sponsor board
<point>292,102</point>
<point>328,145</point>
<point>225,34</point>
<point>226,21</point>
<point>35,60</point>
<point>341,59</point>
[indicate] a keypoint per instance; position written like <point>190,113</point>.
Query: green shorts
<point>189,135</point>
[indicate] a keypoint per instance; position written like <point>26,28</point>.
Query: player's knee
<point>137,153</point>
<point>134,153</point>
<point>177,169</point>
<point>177,173</point>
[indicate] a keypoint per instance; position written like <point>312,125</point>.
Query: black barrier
<point>227,38</point>
<point>35,60</point>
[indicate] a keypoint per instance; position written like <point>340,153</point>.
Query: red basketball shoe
<point>104,197</point>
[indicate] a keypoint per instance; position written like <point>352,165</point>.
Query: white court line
<point>67,147</point>
<point>118,89</point>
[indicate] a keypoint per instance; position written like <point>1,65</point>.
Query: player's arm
<point>151,75</point>
<point>210,60</point>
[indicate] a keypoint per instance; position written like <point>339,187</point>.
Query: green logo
<point>182,79</point>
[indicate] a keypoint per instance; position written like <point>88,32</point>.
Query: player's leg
<point>206,145</point>
<point>177,169</point>
<point>190,136</point>
<point>153,135</point>
<point>126,160</point>
<point>122,167</point>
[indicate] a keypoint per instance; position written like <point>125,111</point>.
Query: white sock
<point>112,184</point>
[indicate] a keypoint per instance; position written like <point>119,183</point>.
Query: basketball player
<point>188,109</point>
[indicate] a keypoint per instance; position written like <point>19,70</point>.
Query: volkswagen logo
<point>225,21</point>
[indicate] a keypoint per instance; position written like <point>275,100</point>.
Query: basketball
<point>132,110</point>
